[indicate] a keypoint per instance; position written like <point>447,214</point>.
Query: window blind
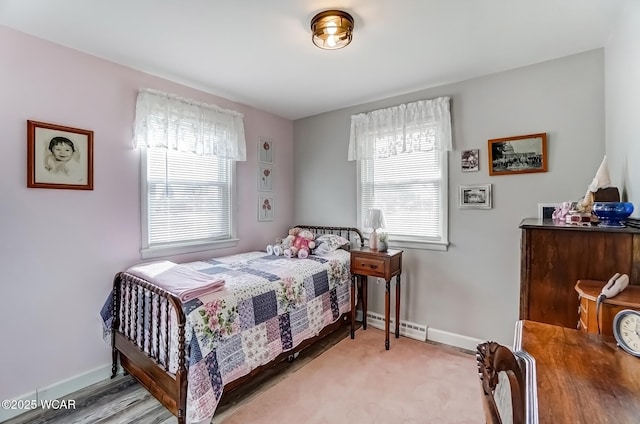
<point>188,197</point>
<point>408,188</point>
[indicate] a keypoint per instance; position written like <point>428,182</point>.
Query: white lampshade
<point>375,219</point>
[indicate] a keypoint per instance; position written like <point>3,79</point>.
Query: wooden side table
<point>588,292</point>
<point>371,263</point>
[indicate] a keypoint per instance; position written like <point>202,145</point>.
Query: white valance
<point>419,126</point>
<point>171,122</point>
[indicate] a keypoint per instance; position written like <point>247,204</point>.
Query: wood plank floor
<point>123,400</point>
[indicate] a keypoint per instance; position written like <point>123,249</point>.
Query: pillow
<point>328,243</point>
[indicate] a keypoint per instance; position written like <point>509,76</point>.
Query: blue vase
<point>612,214</point>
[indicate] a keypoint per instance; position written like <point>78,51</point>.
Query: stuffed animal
<point>281,245</point>
<point>302,242</point>
<point>561,212</point>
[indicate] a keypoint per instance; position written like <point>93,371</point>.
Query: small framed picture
<point>518,155</point>
<point>545,210</point>
<point>265,207</point>
<point>475,196</point>
<point>470,160</point>
<point>265,178</point>
<point>265,150</point>
<point>59,157</point>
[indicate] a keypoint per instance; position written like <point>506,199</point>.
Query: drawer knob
<point>372,266</point>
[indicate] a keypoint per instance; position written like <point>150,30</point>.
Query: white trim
<point>441,246</point>
<point>175,249</point>
<point>60,389</point>
<point>433,335</point>
<point>453,339</point>
<point>407,328</point>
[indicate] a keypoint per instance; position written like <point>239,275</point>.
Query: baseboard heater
<point>407,328</point>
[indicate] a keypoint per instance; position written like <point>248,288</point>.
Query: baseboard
<point>407,328</point>
<point>453,339</point>
<point>423,332</point>
<point>60,389</point>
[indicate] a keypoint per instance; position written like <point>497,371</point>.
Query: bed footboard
<point>144,317</point>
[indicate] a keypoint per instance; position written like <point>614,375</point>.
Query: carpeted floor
<point>337,380</point>
<point>357,381</point>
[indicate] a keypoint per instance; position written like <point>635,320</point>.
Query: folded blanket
<point>182,281</point>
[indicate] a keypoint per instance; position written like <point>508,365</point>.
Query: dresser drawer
<point>583,315</point>
<point>373,267</point>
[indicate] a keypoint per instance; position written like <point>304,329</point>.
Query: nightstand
<point>371,263</point>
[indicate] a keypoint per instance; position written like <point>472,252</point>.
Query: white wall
<point>622,81</point>
<point>61,248</point>
<point>472,289</point>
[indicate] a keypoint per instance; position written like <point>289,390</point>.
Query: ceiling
<point>259,52</point>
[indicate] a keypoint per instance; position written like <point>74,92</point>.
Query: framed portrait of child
<point>59,157</point>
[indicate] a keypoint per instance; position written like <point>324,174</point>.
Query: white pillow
<point>328,243</point>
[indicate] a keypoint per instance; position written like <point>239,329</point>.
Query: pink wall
<point>61,248</point>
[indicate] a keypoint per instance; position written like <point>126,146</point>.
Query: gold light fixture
<point>332,29</point>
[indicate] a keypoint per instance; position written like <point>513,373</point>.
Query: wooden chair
<point>502,383</point>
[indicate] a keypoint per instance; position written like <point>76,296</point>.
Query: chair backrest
<point>502,383</point>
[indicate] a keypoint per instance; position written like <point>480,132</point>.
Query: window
<point>188,174</point>
<point>402,170</point>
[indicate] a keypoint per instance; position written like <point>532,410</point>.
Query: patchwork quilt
<point>268,306</point>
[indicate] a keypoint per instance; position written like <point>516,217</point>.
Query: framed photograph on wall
<point>265,207</point>
<point>474,196</point>
<point>518,155</point>
<point>265,178</point>
<point>470,160</point>
<point>265,150</point>
<point>59,157</point>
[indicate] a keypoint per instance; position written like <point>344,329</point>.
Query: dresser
<point>554,256</point>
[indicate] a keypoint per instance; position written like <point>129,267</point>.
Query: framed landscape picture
<point>474,196</point>
<point>518,155</point>
<point>59,157</point>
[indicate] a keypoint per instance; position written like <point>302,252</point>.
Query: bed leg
<point>114,364</point>
<point>115,323</point>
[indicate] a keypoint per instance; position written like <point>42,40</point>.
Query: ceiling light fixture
<point>332,29</point>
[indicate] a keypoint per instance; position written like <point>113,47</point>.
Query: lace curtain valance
<point>423,125</point>
<point>171,122</point>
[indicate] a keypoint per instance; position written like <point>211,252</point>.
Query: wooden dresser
<point>588,292</point>
<point>554,256</point>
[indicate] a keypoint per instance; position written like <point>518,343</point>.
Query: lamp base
<point>373,240</point>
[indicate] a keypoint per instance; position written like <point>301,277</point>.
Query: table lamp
<point>375,220</point>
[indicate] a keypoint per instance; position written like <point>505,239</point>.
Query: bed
<point>186,353</point>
